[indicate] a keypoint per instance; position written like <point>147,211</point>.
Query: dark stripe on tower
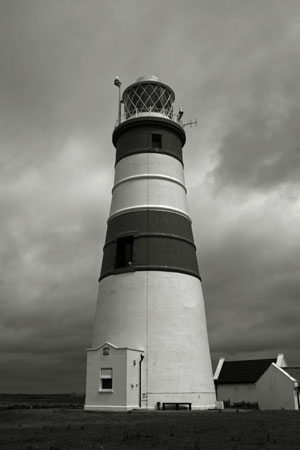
<point>140,136</point>
<point>149,240</point>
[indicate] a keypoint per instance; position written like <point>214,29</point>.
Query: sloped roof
<point>247,371</point>
<point>293,371</point>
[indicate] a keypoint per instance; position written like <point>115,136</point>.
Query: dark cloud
<point>250,277</point>
<point>260,152</point>
<point>233,66</point>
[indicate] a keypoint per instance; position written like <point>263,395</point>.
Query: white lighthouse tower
<point>150,343</point>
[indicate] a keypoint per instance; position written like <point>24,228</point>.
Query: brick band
<point>138,241</point>
<point>140,136</point>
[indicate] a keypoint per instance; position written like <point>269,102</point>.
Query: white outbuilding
<point>265,383</point>
<point>278,388</point>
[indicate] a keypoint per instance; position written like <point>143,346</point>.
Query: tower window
<point>106,379</point>
<point>156,141</point>
<point>124,252</point>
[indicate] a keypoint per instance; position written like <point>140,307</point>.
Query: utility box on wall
<point>114,374</point>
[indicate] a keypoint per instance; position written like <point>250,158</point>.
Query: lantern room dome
<point>148,96</point>
<point>147,78</point>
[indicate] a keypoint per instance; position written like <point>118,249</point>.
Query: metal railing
<point>154,112</point>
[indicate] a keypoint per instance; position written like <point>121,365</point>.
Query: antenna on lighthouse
<point>118,83</point>
<point>190,123</point>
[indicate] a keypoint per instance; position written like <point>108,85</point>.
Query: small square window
<point>106,379</point>
<point>106,383</point>
<point>156,141</point>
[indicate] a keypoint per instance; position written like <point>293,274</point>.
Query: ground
<point>72,428</point>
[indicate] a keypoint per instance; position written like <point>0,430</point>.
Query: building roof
<point>293,371</point>
<point>247,371</point>
<point>147,78</point>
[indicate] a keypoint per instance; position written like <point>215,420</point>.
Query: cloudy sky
<point>234,64</point>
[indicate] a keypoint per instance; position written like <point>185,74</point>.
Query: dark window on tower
<point>156,140</point>
<point>124,252</point>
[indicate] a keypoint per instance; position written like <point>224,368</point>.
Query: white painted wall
<point>164,314</point>
<point>147,193</point>
<point>95,361</point>
<point>149,180</point>
<point>237,393</point>
<point>149,163</point>
<point>276,389</point>
<point>132,376</point>
<point>125,379</point>
<point>160,312</point>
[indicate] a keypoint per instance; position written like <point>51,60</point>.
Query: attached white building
<point>115,374</point>
<point>278,388</point>
<point>268,383</point>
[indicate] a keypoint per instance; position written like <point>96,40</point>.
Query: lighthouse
<point>150,345</point>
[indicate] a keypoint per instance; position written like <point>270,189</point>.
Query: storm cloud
<point>235,67</point>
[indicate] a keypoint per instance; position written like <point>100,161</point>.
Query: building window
<point>106,380</point>
<point>156,141</point>
<point>124,252</point>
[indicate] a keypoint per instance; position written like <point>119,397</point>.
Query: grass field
<point>66,429</point>
<point>29,401</point>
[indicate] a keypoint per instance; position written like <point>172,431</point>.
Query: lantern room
<point>148,96</point>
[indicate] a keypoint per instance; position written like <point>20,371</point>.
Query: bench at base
<point>174,403</point>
